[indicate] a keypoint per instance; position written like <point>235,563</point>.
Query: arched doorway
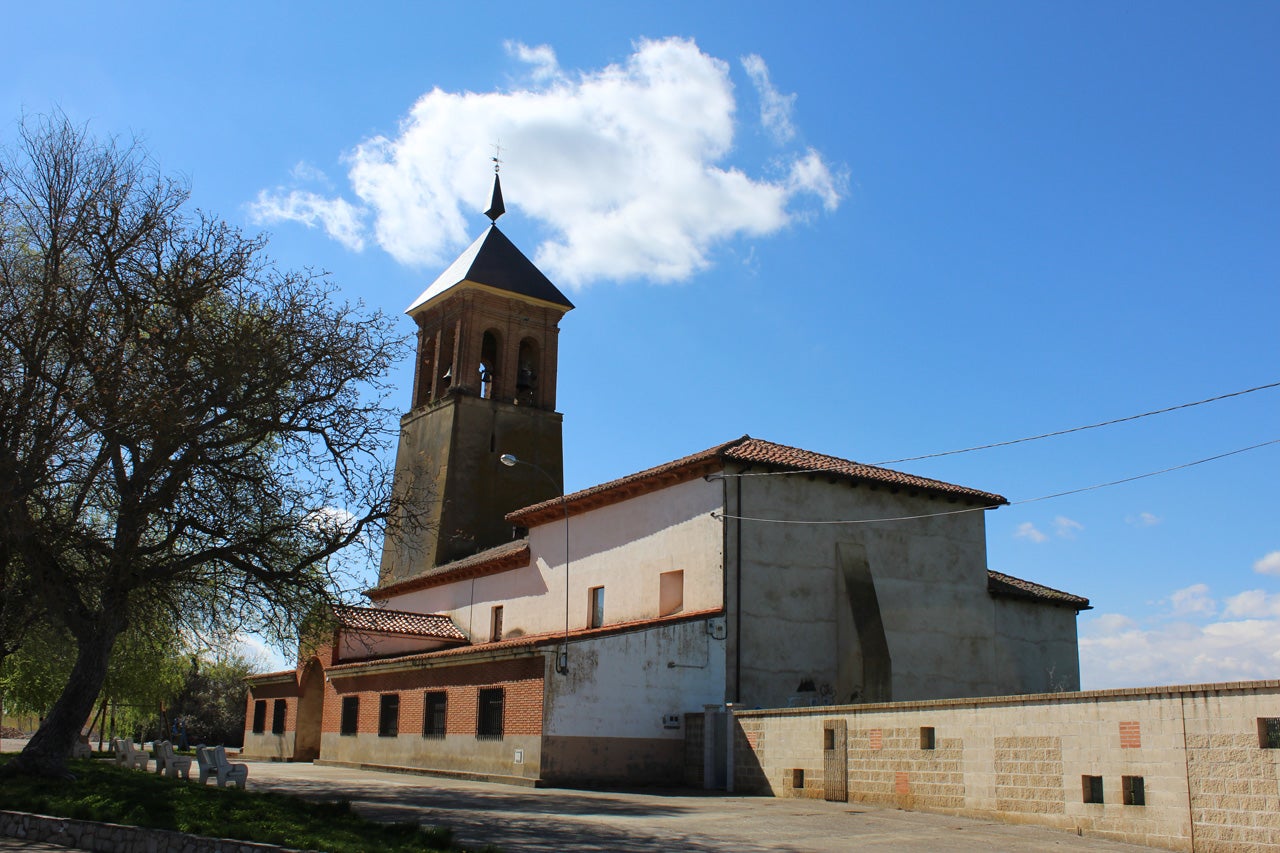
<point>310,711</point>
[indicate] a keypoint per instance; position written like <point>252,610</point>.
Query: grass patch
<point>110,794</point>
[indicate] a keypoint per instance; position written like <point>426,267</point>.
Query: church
<point>522,634</point>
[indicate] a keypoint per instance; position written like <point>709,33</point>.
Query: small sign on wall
<point>671,721</point>
<point>519,759</point>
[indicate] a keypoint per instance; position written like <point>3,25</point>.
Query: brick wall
<point>520,679</point>
<point>1203,777</point>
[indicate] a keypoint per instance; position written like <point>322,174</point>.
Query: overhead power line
<point>1056,433</point>
<point>723,515</point>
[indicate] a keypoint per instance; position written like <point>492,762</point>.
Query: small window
<point>489,722</point>
<point>389,715</point>
<point>495,624</point>
<point>670,593</point>
<point>797,779</point>
<point>434,710</point>
<point>926,737</point>
<point>350,715</point>
<point>278,712</point>
<point>1134,792</point>
<point>259,716</point>
<point>595,604</point>
<point>828,739</point>
<point>1269,732</point>
<point>1092,787</point>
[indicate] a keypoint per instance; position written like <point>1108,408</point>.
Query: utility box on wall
<point>671,721</point>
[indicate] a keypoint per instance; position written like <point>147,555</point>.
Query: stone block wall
<point>1181,768</point>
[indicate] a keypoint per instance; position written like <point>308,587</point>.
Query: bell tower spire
<point>496,207</point>
<point>484,385</point>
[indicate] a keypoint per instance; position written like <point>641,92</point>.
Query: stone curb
<point>115,838</point>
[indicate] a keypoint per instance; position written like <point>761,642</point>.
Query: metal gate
<point>835,761</point>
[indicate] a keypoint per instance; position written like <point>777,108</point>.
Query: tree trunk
<point>47,752</point>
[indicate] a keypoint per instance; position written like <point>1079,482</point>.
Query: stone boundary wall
<point>1182,768</point>
<point>114,838</point>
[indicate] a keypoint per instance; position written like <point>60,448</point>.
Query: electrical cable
<point>1013,441</point>
<point>722,515</point>
<point>1081,428</point>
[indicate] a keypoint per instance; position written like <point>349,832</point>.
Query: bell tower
<point>484,385</point>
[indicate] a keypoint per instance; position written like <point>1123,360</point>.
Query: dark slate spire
<point>496,207</point>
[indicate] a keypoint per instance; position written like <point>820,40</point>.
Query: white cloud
<point>1143,519</point>
<point>541,58</point>
<point>1027,530</point>
<point>340,219</point>
<point>1197,645</point>
<point>775,107</point>
<point>1067,528</point>
<point>1192,601</point>
<point>306,172</point>
<point>624,166</point>
<point>1268,565</point>
<point>1252,603</point>
<point>1116,652</point>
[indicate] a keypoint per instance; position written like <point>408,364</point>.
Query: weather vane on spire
<point>496,207</point>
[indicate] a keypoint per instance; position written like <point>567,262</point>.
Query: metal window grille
<point>435,707</point>
<point>350,714</point>
<point>389,715</point>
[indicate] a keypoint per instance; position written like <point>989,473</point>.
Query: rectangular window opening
<point>797,779</point>
<point>278,712</point>
<point>926,737</point>
<point>259,716</point>
<point>1269,732</point>
<point>495,624</point>
<point>489,721</point>
<point>434,711</point>
<point>1092,788</point>
<point>828,738</point>
<point>595,604</point>
<point>670,593</point>
<point>350,715</point>
<point>389,715</point>
<point>1134,790</point>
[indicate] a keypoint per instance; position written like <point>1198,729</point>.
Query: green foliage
<point>146,670</point>
<point>190,437</point>
<point>211,703</point>
<point>103,792</point>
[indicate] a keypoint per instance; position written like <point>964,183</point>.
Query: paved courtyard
<point>552,820</point>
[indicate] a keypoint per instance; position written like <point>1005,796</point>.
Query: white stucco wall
<point>624,548</point>
<point>622,685</point>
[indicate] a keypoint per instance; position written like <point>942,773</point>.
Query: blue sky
<point>873,230</point>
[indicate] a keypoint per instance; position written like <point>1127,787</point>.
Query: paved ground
<point>551,820</point>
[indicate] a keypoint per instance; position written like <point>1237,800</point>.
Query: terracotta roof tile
<point>500,558</point>
<point>529,641</point>
<point>385,621</point>
<point>750,451</point>
<point>1011,587</point>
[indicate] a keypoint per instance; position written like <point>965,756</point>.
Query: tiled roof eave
<point>505,559</point>
<point>527,646</point>
<point>1001,585</point>
<point>607,494</point>
<point>755,453</point>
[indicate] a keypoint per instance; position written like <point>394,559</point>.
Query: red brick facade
<point>521,681</point>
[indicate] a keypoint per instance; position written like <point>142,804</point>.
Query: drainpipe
<point>728,747</point>
<point>737,580</point>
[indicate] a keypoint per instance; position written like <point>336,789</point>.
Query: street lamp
<point>562,654</point>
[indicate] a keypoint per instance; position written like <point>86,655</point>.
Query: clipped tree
<point>185,429</point>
